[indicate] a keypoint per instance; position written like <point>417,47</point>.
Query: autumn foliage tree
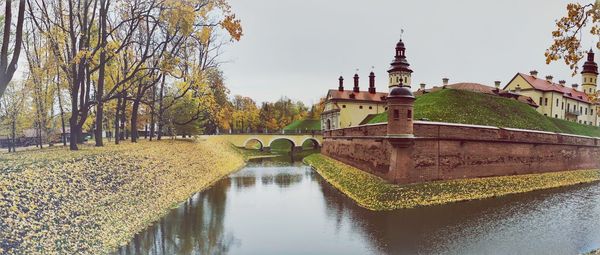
<point>567,37</point>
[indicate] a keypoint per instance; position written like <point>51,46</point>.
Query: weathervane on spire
<point>401,33</point>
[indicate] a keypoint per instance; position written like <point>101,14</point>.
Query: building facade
<point>558,100</point>
<point>347,108</point>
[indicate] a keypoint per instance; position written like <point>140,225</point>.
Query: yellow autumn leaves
<point>94,200</point>
<point>374,193</point>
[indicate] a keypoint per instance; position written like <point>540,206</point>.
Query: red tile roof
<point>544,85</point>
<point>349,95</point>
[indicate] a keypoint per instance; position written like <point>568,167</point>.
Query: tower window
<point>396,114</point>
<point>546,101</point>
<point>541,101</point>
<point>557,102</point>
<point>409,114</point>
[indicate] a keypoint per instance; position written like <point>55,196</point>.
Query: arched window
<point>328,124</point>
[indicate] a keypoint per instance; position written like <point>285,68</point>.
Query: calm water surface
<point>290,209</point>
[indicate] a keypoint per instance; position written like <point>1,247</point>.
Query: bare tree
<point>7,69</point>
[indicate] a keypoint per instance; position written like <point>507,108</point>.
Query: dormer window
<point>352,96</point>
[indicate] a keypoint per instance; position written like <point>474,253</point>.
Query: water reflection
<point>196,227</point>
<point>291,210</point>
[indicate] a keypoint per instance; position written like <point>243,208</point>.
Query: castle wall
<point>444,151</point>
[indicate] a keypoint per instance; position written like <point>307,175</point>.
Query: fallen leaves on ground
<point>374,193</point>
<point>94,200</point>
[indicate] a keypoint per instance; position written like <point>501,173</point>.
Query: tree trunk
<point>124,132</point>
<point>160,108</point>
<point>134,118</point>
<point>7,69</point>
<point>117,120</point>
<point>100,90</point>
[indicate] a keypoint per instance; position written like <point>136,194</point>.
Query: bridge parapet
<point>241,140</point>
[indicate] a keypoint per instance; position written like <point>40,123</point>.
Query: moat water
<point>287,208</point>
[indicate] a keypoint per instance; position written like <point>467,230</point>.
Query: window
<point>591,111</point>
<point>360,107</point>
<point>343,106</point>
<point>562,106</point>
<point>370,107</point>
<point>546,102</point>
<point>541,101</point>
<point>580,109</point>
<point>409,114</point>
<point>585,111</point>
<point>396,114</point>
<point>557,102</point>
<point>556,116</point>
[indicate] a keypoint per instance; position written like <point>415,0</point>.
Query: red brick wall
<point>443,151</point>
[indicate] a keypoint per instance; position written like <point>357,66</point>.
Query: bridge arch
<point>315,142</point>
<point>282,138</point>
<point>262,144</point>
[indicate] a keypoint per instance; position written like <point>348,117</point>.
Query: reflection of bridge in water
<point>266,140</point>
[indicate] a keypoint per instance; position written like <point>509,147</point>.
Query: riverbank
<point>374,193</point>
<point>96,199</point>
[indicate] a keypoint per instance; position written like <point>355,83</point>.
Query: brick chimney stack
<point>372,83</point>
<point>445,81</point>
<point>422,85</point>
<point>533,73</point>
<point>356,88</point>
<point>341,86</point>
<point>562,82</point>
<point>549,78</point>
<point>497,84</point>
<point>400,113</point>
<point>575,86</point>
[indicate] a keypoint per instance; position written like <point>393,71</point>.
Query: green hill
<point>460,106</point>
<point>304,125</point>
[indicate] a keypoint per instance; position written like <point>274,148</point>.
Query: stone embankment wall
<point>444,151</point>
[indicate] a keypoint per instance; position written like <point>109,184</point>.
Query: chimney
<point>372,83</point>
<point>445,81</point>
<point>497,84</point>
<point>341,87</point>
<point>534,73</point>
<point>574,86</point>
<point>422,86</point>
<point>356,88</point>
<point>562,83</point>
<point>549,78</point>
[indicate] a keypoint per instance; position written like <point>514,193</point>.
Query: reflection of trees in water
<point>194,228</point>
<point>243,182</point>
<point>285,180</point>
<point>436,229</point>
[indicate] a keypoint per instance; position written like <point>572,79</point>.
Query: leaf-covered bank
<point>374,193</point>
<point>94,200</point>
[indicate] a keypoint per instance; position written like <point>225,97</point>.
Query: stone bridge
<point>265,140</point>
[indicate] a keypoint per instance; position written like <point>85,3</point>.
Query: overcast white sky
<point>299,48</point>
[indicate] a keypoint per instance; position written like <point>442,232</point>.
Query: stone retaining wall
<point>443,151</point>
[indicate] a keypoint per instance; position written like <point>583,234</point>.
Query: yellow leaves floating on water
<point>373,193</point>
<point>93,200</point>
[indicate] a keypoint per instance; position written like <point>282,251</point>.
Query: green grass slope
<point>304,125</point>
<point>459,106</point>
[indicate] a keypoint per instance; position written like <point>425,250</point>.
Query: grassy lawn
<point>459,106</point>
<point>374,193</point>
<point>304,125</point>
<point>54,201</point>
